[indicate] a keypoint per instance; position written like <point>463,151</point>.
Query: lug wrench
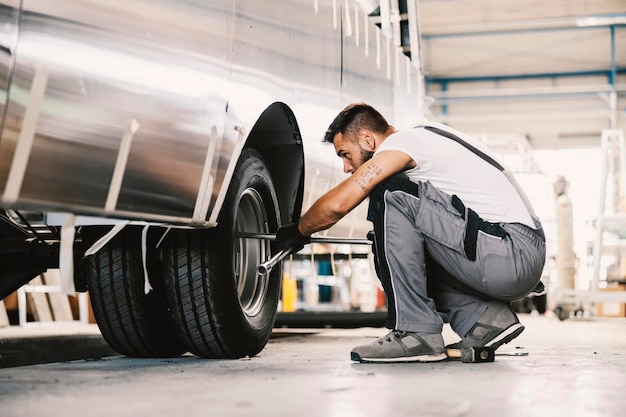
<point>265,267</point>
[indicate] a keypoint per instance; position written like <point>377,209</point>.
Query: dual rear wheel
<point>207,296</point>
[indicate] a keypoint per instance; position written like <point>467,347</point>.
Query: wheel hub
<point>251,287</point>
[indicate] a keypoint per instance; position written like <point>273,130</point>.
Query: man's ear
<point>367,137</point>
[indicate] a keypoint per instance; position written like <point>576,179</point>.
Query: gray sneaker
<point>498,325</point>
<point>399,346</point>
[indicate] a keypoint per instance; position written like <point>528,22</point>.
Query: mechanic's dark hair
<point>354,117</point>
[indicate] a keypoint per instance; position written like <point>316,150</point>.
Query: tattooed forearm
<point>366,177</point>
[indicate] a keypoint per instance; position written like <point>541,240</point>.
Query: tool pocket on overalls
<point>439,219</point>
<point>477,226</point>
<point>495,253</point>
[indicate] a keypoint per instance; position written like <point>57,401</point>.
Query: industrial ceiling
<point>553,72</point>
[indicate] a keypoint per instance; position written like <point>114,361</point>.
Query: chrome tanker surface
<point>9,16</point>
<point>138,109</point>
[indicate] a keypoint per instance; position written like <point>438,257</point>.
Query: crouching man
<point>454,233</point>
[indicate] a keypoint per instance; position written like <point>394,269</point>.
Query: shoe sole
<point>506,336</point>
<point>419,358</point>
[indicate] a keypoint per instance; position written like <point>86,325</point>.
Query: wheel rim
<point>251,287</point>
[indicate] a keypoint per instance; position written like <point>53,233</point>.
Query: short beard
<point>366,155</point>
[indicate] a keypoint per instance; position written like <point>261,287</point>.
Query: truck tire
<point>223,307</point>
<point>133,323</point>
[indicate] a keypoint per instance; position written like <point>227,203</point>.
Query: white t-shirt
<point>454,169</point>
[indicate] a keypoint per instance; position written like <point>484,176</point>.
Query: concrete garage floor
<point>573,368</point>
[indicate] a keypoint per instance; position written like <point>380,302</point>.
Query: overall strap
<point>495,163</point>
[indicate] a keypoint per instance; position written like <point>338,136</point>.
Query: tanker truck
<point>140,140</point>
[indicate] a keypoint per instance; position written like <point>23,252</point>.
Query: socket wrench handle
<point>265,267</point>
<point>314,239</point>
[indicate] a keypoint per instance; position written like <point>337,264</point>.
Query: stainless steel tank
<point>131,108</point>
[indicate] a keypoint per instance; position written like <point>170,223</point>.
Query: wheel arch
<point>276,136</point>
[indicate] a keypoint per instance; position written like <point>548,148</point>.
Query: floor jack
<point>478,354</point>
<point>472,354</point>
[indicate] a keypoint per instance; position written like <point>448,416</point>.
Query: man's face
<point>351,152</point>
